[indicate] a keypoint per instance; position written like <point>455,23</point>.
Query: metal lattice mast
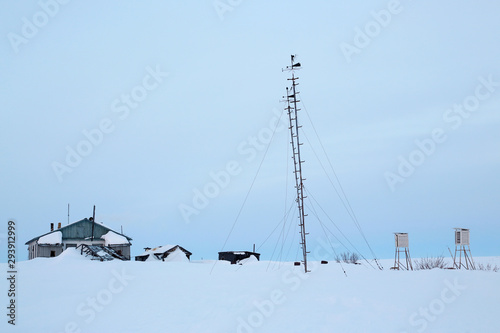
<point>292,109</point>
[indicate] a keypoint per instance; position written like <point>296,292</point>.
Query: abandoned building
<point>84,234</point>
<point>165,253</point>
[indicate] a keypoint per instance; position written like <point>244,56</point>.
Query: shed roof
<point>81,230</point>
<point>163,249</point>
<point>240,252</point>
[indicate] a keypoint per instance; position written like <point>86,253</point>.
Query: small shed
<point>236,256</point>
<point>165,253</point>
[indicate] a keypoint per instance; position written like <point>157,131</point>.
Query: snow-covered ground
<point>72,294</point>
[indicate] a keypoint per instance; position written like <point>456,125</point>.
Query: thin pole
<point>93,222</point>
<point>68,213</point>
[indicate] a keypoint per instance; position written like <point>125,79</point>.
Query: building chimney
<point>52,227</point>
<point>59,225</point>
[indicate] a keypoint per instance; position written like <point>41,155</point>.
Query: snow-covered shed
<point>236,256</point>
<point>75,234</point>
<point>165,253</point>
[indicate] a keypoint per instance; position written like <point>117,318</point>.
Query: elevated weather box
<point>461,236</point>
<point>401,239</point>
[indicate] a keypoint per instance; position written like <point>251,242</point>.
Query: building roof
<point>112,238</point>
<point>240,252</point>
<point>163,249</point>
<point>52,238</point>
<point>82,230</point>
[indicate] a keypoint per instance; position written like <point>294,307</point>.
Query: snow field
<point>72,294</point>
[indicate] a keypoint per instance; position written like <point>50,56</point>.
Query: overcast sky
<point>159,113</point>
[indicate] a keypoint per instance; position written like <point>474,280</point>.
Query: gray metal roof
<point>81,230</point>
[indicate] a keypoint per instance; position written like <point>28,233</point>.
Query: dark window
<point>52,253</point>
<point>119,252</point>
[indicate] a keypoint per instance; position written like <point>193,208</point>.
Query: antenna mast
<point>291,100</point>
<point>93,223</point>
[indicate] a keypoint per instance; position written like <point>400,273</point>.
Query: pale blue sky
<point>224,81</point>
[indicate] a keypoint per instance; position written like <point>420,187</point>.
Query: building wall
<point>48,251</point>
<point>36,250</point>
<point>76,242</point>
<point>123,249</point>
<point>31,250</point>
<point>43,251</point>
